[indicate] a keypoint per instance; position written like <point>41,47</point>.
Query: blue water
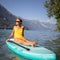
<point>46,38</point>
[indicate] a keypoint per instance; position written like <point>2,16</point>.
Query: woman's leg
<point>24,41</point>
<point>27,42</point>
<point>17,40</point>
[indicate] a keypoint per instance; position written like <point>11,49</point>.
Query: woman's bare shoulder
<point>22,26</point>
<point>14,26</point>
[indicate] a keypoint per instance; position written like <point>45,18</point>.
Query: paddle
<point>20,45</point>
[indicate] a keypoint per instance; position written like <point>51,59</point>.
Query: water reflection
<point>54,45</point>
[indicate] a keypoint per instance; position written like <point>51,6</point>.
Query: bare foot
<point>34,44</point>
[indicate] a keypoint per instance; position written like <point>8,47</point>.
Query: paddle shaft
<point>20,45</point>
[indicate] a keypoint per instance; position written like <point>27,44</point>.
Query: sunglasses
<point>18,21</point>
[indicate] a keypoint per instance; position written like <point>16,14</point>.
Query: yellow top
<point>18,33</point>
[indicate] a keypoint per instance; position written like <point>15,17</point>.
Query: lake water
<point>46,38</point>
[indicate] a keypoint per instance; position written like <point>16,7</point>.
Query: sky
<point>28,9</point>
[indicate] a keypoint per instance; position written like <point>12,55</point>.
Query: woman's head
<point>18,21</point>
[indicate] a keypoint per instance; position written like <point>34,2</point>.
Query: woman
<point>18,32</point>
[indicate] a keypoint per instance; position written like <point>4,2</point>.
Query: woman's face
<point>18,22</point>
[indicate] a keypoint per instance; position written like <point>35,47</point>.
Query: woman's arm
<point>23,31</point>
<point>12,33</point>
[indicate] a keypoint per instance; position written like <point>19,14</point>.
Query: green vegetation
<point>53,9</point>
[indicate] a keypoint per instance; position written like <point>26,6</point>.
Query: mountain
<point>7,20</point>
<point>48,25</point>
<point>37,25</point>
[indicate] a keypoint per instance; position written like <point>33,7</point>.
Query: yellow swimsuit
<point>18,33</point>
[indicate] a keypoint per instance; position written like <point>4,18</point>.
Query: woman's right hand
<point>8,39</point>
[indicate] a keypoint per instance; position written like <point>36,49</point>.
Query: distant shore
<point>12,28</point>
<point>6,28</point>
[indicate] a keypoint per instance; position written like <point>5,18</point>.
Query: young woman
<point>18,33</point>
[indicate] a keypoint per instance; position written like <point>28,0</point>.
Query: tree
<point>53,9</point>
